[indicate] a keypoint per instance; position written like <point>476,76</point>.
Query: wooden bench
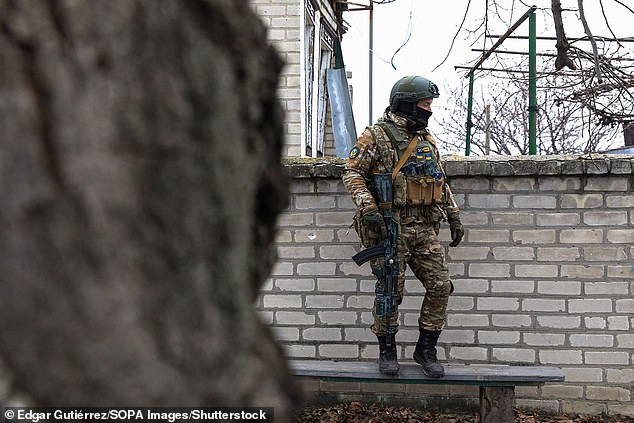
<point>497,382</point>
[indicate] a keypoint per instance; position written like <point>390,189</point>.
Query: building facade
<point>304,33</point>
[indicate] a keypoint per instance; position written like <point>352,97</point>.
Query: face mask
<point>418,122</point>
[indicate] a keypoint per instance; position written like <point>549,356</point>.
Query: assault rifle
<point>386,298</point>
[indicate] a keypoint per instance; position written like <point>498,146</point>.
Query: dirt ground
<point>356,412</point>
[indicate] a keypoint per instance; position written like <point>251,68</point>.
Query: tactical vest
<point>420,181</point>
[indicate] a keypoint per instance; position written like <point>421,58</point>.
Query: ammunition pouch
<point>424,190</point>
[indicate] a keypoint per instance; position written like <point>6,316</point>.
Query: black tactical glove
<point>374,221</point>
<point>457,232</point>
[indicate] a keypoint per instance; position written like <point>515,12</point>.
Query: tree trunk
<point>140,185</point>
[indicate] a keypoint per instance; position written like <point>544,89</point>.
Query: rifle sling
<point>405,156</point>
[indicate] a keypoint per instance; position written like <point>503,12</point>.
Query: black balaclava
<point>417,118</point>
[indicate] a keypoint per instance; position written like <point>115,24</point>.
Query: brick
<point>360,335</point>
<point>460,303</point>
<point>338,317</point>
<point>595,322</point>
<point>544,339</point>
<point>324,301</point>
<point>581,201</point>
<point>299,351</point>
<point>469,286</point>
<point>538,304</point>
<point>606,288</point>
<point>584,374</point>
<point>336,251</point>
<point>294,318</point>
<point>606,357</point>
<point>296,219</point>
<point>586,340</point>
<point>558,254</point>
<point>468,353</point>
<point>488,201</point>
<point>559,287</point>
<point>562,391</point>
<point>295,284</point>
<point>560,357</point>
<point>470,184</point>
<point>583,407</point>
<point>625,341</point>
<point>623,409</point>
<point>511,320</point>
<point>581,236</point>
<point>316,268</point>
<point>314,235</point>
<point>281,301</point>
<point>607,393</point>
<point>498,337</point>
<point>282,269</point>
<point>513,219</point>
<point>453,336</point>
<point>582,271</point>
<point>339,351</point>
<point>618,323</point>
<point>513,286</point>
<point>589,305</point>
<point>296,252</point>
<point>559,322</point>
<point>362,301</point>
<point>488,235</point>
<point>285,333</point>
<point>471,219</point>
<point>605,218</point>
<point>513,253</point>
<point>620,201</point>
<point>621,271</point>
<point>534,201</point>
<point>620,376</point>
<point>283,236</point>
<point>559,184</point>
<point>514,184</point>
<point>336,284</point>
<point>313,201</point>
<point>479,270</point>
<point>621,236</point>
<point>469,253</point>
<point>558,219</point>
<point>536,271</point>
<point>534,236</point>
<point>334,218</point>
<point>625,306</point>
<point>538,404</point>
<point>604,254</point>
<point>513,355</point>
<point>321,334</point>
<point>467,320</point>
<point>498,304</point>
<point>606,183</point>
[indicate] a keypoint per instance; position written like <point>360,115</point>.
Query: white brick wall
<point>545,275</point>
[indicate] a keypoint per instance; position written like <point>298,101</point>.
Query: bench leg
<point>496,404</point>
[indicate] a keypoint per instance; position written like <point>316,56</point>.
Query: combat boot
<point>425,353</point>
<point>388,364</point>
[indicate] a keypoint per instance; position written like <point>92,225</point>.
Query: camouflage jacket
<point>365,159</point>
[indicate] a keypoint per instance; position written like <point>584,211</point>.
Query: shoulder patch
<point>354,153</point>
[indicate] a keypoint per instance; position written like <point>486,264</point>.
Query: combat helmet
<point>408,91</point>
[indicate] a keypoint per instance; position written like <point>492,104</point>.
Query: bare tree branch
<point>562,42</point>
<point>593,42</point>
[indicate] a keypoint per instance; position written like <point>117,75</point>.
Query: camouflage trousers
<point>420,249</point>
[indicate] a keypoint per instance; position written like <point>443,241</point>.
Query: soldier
<point>400,144</point>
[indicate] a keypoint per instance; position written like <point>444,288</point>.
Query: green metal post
<point>532,85</point>
<point>469,112</point>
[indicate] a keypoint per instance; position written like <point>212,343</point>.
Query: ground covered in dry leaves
<point>355,412</point>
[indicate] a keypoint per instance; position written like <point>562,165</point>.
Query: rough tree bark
<point>562,45</point>
<point>140,185</point>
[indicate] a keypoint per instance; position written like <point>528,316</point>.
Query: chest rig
<point>418,179</point>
